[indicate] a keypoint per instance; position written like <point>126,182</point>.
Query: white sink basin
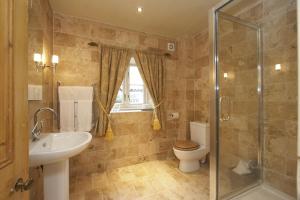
<point>55,147</point>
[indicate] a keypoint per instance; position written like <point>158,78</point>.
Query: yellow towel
<point>109,135</point>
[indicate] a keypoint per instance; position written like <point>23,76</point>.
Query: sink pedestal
<point>56,181</point>
<point>53,151</point>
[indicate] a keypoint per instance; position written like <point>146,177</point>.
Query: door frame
<point>298,143</point>
<point>18,167</point>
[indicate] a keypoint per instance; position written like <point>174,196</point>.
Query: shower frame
<point>214,100</point>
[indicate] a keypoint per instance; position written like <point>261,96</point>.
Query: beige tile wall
<point>192,80</point>
<point>79,65</point>
<point>201,80</point>
<point>187,90</point>
<point>280,94</point>
<point>278,21</point>
<point>134,142</point>
<point>40,40</point>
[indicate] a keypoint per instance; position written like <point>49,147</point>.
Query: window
<point>133,94</point>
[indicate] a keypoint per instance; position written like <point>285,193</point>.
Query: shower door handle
<point>226,116</point>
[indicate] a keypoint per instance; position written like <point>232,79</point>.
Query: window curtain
<point>152,69</point>
<point>113,64</point>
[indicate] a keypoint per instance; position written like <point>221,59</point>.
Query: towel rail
<point>58,83</point>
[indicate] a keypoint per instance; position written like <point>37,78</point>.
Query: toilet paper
<point>174,115</point>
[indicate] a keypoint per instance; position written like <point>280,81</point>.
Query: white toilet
<point>191,152</point>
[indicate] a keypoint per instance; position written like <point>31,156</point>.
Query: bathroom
<point>149,100</point>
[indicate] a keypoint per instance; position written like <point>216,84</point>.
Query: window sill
<point>131,110</point>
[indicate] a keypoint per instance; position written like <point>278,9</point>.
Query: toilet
<point>190,152</point>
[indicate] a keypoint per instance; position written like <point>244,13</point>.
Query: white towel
<point>75,93</point>
<point>242,168</point>
<point>79,114</point>
<point>67,115</point>
<point>84,115</point>
<point>83,93</point>
<point>65,93</point>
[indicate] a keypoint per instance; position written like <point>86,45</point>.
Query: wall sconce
<point>225,76</point>
<point>39,61</point>
<point>55,61</point>
<point>278,67</point>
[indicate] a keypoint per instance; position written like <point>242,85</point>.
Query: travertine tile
<point>148,180</point>
<point>237,57</point>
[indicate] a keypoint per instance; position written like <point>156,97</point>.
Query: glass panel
<point>136,86</point>
<point>237,52</point>
<point>120,96</point>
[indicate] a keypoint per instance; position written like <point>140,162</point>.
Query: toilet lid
<point>186,145</point>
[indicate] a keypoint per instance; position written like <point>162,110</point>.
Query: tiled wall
<point>280,94</point>
<point>279,25</point>
<point>186,89</point>
<point>278,22</point>
<point>40,40</point>
<point>201,81</point>
<point>79,65</point>
<point>192,79</point>
<point>184,101</point>
<point>133,143</point>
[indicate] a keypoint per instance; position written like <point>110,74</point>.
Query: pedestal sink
<point>53,151</point>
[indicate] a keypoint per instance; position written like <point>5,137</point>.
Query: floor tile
<point>151,180</point>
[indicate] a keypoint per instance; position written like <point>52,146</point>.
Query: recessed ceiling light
<point>140,9</point>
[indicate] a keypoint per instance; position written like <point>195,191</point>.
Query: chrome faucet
<point>38,125</point>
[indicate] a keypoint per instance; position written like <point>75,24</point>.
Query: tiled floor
<point>148,181</point>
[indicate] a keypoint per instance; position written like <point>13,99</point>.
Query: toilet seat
<point>186,145</point>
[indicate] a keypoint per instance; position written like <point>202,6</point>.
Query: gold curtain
<point>113,64</point>
<point>152,69</point>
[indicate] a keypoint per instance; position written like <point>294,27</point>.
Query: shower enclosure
<point>236,106</point>
<point>253,115</point>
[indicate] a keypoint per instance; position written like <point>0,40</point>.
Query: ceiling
<point>171,18</point>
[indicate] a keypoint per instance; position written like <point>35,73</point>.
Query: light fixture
<point>37,57</point>
<point>225,75</point>
<point>278,67</point>
<point>39,61</point>
<point>140,9</point>
<point>55,59</point>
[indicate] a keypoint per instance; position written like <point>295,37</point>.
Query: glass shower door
<point>239,84</point>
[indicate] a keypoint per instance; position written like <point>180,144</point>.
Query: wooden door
<point>13,97</point>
